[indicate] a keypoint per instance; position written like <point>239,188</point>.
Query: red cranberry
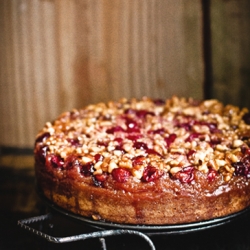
<point>134,137</point>
<point>186,126</point>
<point>43,137</point>
<point>140,145</point>
<point>152,152</point>
<point>170,139</point>
<point>159,102</point>
<point>151,173</point>
<point>241,169</point>
<point>87,169</point>
<point>56,161</point>
<point>72,161</point>
<point>115,129</point>
<point>130,112</point>
<point>120,174</point>
<point>211,174</point>
<point>132,126</point>
<point>74,142</point>
<point>99,157</point>
<point>192,137</point>
<point>102,143</point>
<point>139,113</point>
<point>159,131</point>
<point>133,130</point>
<point>246,118</point>
<point>190,153</point>
<point>143,113</point>
<point>99,179</point>
<point>186,175</point>
<point>119,140</point>
<point>212,127</point>
<point>215,141</point>
<point>138,160</point>
<point>42,152</point>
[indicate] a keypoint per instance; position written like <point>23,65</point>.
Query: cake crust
<point>146,161</point>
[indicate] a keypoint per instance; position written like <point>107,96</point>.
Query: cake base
<point>171,202</point>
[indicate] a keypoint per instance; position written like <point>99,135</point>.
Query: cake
<point>147,161</point>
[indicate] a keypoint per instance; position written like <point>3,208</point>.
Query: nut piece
<point>237,143</point>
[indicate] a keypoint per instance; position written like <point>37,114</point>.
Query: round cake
<point>147,161</point>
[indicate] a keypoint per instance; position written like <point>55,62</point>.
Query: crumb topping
<point>147,139</point>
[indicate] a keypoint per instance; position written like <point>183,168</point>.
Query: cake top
<point>147,139</point>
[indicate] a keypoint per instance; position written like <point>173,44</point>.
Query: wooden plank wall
<point>230,43</point>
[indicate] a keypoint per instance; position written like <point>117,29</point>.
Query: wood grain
<point>230,25</point>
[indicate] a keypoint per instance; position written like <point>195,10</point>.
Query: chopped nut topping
<point>168,136</point>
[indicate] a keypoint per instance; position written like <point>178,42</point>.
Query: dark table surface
<point>20,201</point>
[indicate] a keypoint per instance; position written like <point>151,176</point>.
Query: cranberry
<point>99,157</point>
<point>241,169</point>
<point>192,137</point>
<point>118,140</point>
<point>190,153</point>
<point>140,145</point>
<point>186,126</point>
<point>245,137</point>
<point>211,174</point>
<point>212,127</point>
<point>120,174</point>
<point>139,113</point>
<point>215,140</point>
<point>120,148</point>
<point>246,118</point>
<point>134,137</point>
<point>247,151</point>
<point>42,152</point>
<point>159,102</point>
<point>43,137</point>
<point>72,161</point>
<point>151,173</point>
<point>74,142</point>
<point>138,160</point>
<point>130,112</point>
<point>115,129</point>
<point>87,169</point>
<point>143,113</point>
<point>152,152</point>
<point>56,161</point>
<point>246,160</point>
<point>170,139</point>
<point>133,130</point>
<point>99,179</point>
<point>102,143</point>
<point>132,125</point>
<point>159,131</point>
<point>186,175</point>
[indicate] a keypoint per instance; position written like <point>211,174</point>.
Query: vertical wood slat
<point>58,55</point>
<point>230,25</point>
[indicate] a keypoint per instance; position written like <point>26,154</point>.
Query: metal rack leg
<point>103,242</point>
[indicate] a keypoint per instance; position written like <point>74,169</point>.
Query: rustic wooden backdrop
<point>56,55</point>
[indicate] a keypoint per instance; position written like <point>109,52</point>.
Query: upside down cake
<point>147,161</point>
